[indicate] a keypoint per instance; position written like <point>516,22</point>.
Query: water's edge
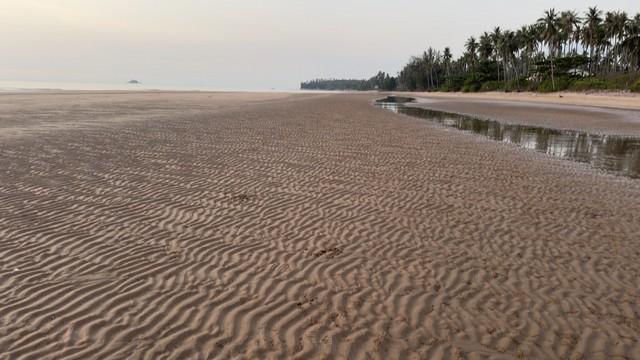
<point>618,155</point>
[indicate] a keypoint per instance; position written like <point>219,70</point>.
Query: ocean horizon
<point>29,86</point>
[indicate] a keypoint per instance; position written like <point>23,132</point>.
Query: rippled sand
<point>189,226</point>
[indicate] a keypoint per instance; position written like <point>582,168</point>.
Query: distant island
<point>133,82</point>
<point>561,51</point>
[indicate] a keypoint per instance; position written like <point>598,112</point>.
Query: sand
<point>203,225</point>
<point>613,100</point>
<point>596,113</point>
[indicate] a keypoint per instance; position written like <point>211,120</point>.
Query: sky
<point>243,44</point>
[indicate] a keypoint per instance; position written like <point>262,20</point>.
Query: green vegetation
<point>561,51</point>
<point>381,81</point>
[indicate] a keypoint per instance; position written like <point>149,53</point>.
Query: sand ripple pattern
<point>307,227</point>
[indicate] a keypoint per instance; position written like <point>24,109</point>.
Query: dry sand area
<point>611,100</point>
<point>272,226</point>
<point>605,114</point>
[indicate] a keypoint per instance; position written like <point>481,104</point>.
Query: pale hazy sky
<point>243,44</point>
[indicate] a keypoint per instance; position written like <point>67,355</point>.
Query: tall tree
<point>446,57</point>
<point>485,46</point>
<point>631,44</point>
<point>591,31</point>
<point>570,28</point>
<point>472,47</point>
<point>552,47</point>
<point>550,24</point>
<point>496,39</point>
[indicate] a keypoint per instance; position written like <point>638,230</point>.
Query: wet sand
<point>195,225</point>
<point>612,100</point>
<point>604,114</point>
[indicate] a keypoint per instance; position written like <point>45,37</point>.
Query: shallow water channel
<point>619,155</point>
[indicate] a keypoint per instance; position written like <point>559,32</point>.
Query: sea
<point>40,86</point>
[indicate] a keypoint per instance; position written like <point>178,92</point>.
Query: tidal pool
<point>619,155</point>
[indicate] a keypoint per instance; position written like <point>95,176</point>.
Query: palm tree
<point>631,43</point>
<point>608,26</point>
<point>570,27</point>
<point>472,47</point>
<point>591,29</point>
<point>485,47</point>
<point>614,27</point>
<point>508,46</point>
<point>550,34</point>
<point>496,38</point>
<point>430,63</point>
<point>528,45</point>
<point>619,32</point>
<point>611,41</point>
<point>446,57</point>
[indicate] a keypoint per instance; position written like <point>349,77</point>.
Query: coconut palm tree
<point>485,47</point>
<point>446,58</point>
<point>529,36</point>
<point>612,28</point>
<point>631,43</point>
<point>551,35</point>
<point>496,39</point>
<point>508,46</point>
<point>472,47</point>
<point>570,29</point>
<point>611,41</point>
<point>608,25</point>
<point>590,31</point>
<point>619,32</point>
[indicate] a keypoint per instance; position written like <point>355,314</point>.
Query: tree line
<point>382,81</point>
<point>561,50</point>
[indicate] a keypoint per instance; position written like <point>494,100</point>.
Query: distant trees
<point>381,81</point>
<point>604,48</point>
<point>560,50</point>
<point>550,27</point>
<point>335,84</point>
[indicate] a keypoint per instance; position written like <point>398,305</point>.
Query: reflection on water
<point>616,154</point>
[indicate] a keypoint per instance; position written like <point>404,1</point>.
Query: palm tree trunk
<point>553,81</point>
<point>504,64</point>
<point>590,56</point>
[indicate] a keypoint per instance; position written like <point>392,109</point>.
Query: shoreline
<point>601,113</point>
<point>594,113</point>
<point>613,100</point>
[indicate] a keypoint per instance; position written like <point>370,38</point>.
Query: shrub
<point>491,86</point>
<point>589,84</point>
<point>635,87</point>
<point>519,84</point>
<point>562,83</point>
<point>446,88</point>
<point>545,86</point>
<point>471,85</point>
<point>620,81</point>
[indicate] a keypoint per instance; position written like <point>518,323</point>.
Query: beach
<point>611,100</point>
<point>601,113</point>
<point>178,225</point>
